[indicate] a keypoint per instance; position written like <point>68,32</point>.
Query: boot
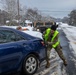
<point>65,62</point>
<point>47,65</point>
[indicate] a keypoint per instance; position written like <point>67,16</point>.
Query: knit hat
<point>53,27</point>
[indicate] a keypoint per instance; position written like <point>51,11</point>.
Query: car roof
<point>19,32</point>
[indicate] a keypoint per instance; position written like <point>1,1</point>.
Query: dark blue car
<point>20,51</point>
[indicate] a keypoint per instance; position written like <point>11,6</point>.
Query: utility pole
<point>18,10</point>
<point>18,7</point>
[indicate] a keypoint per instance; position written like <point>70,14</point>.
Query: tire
<point>30,65</point>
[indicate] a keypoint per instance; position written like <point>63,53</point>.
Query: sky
<point>54,8</point>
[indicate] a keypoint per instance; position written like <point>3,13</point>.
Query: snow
<point>70,32</point>
<point>10,26</point>
<point>28,27</point>
<point>28,21</point>
<point>34,33</point>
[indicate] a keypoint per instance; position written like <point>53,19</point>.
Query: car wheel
<point>30,65</point>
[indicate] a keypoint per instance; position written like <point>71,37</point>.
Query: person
<point>21,29</point>
<point>51,39</point>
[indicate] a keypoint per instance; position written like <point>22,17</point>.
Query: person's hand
<point>50,43</point>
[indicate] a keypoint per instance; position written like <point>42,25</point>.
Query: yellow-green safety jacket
<point>54,35</point>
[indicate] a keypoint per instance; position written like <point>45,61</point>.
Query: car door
<point>10,51</point>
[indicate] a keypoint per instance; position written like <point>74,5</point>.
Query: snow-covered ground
<point>70,32</point>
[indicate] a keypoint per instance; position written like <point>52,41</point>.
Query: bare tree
<point>11,7</point>
<point>33,14</point>
<point>72,18</point>
<point>65,20</point>
<point>3,17</point>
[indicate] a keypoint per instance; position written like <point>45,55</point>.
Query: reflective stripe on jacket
<point>57,43</point>
<point>47,32</point>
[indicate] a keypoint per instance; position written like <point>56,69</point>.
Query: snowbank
<point>70,32</point>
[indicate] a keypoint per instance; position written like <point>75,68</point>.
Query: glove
<point>50,43</point>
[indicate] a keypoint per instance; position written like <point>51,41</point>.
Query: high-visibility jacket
<point>46,36</point>
<point>47,32</point>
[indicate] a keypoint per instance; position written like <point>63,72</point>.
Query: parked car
<point>20,51</point>
<point>43,28</point>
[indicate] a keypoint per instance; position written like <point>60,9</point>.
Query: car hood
<point>34,33</point>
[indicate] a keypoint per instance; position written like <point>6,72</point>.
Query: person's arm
<point>55,42</point>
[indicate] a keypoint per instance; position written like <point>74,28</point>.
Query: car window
<point>19,37</point>
<point>9,36</point>
<point>2,37</point>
